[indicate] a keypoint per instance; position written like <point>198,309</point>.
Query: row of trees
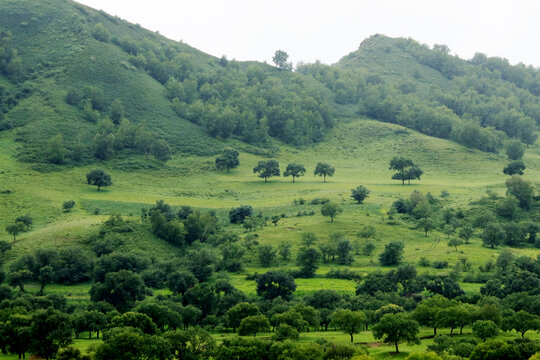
<point>270,168</point>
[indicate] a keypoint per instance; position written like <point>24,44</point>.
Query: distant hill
<point>72,74</point>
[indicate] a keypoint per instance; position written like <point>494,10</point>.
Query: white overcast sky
<point>327,30</point>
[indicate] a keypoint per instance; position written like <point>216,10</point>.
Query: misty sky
<point>328,30</point>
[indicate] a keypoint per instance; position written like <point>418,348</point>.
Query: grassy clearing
<point>359,150</point>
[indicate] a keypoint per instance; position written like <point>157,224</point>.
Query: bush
<point>285,332</point>
<point>67,206</point>
<point>440,264</point>
<point>238,214</point>
<point>319,201</point>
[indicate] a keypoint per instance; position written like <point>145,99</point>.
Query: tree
<point>280,59</point>
<point>413,173</point>
<point>56,150</point>
<point>307,259</point>
<point>522,322</point>
<point>239,214</point>
<point>274,284</point>
<point>455,242</point>
<point>324,170</point>
<point>253,324</point>
<point>117,111</point>
<point>267,169</point>
<point>523,190</point>
<point>16,335</point>
<point>401,165</point>
<point>514,149</point>
<point>427,312</point>
<point>161,150</point>
<point>344,249</point>
<point>228,160</point>
<point>516,167</point>
<point>26,220</point>
<point>360,193</point>
<point>392,254</point>
<point>351,322</point>
<point>19,278</point>
<point>103,145</point>
<point>331,210</point>
<point>485,329</point>
<point>71,353</point>
<point>396,328</point>
<point>493,235</point>
<point>267,254</point>
<point>284,250</point>
<point>426,224</point>
<point>15,229</point>
<point>50,329</point>
<point>98,178</point>
<point>466,232</point>
<point>240,311</point>
<point>294,170</point>
<point>120,289</point>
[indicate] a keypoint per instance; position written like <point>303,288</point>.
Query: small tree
<point>351,322</point>
<point>26,220</point>
<point>15,229</point>
<point>344,249</point>
<point>516,167</point>
<point>331,210</point>
<point>307,259</point>
<point>396,328</point>
<point>228,160</point>
<point>426,224</point>
<point>455,242</point>
<point>514,149</point>
<point>324,170</point>
<point>161,150</point>
<point>523,190</point>
<point>253,325</point>
<point>280,59</point>
<point>493,235</point>
<point>294,170</point>
<point>360,193</point>
<point>485,329</point>
<point>267,254</point>
<point>274,284</point>
<point>392,254</point>
<point>267,169</point>
<point>239,312</point>
<point>284,250</point>
<point>400,164</point>
<point>117,111</point>
<point>465,233</point>
<point>98,178</point>
<point>522,322</point>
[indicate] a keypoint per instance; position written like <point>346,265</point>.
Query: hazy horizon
<point>319,30</point>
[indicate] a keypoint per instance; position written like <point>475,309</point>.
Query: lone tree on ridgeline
<point>324,170</point>
<point>98,178</point>
<point>280,59</point>
<point>294,170</point>
<point>227,160</point>
<point>406,170</point>
<point>267,169</point>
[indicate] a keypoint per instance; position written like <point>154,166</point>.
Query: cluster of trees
<point>270,168</point>
<point>10,61</point>
<point>114,132</point>
<point>496,220</point>
<point>227,99</point>
<point>481,108</point>
<point>406,170</point>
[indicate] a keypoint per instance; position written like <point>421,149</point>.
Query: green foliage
<point>227,160</point>
<point>253,324</point>
<point>324,170</point>
<point>514,149</point>
<point>307,258</point>
<point>99,178</point>
<point>523,190</point>
<point>239,214</point>
<point>275,283</point>
<point>516,167</point>
<point>267,168</point>
<point>100,33</point>
<point>396,328</point>
<point>280,59</point>
<point>331,210</point>
<point>485,329</point>
<point>351,322</point>
<point>360,193</point>
<point>294,170</point>
<point>392,254</point>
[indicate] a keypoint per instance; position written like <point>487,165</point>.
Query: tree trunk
<point>228,170</point>
<point>451,331</point>
<point>324,177</point>
<point>435,330</point>
<point>461,330</point>
<point>397,349</point>
<point>293,179</point>
<point>331,219</point>
<point>351,337</point>
<point>265,179</point>
<point>523,334</point>
<point>97,334</point>
<point>402,181</point>
<point>99,187</point>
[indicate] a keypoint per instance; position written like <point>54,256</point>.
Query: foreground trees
<point>396,328</point>
<point>351,322</point>
<point>294,170</point>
